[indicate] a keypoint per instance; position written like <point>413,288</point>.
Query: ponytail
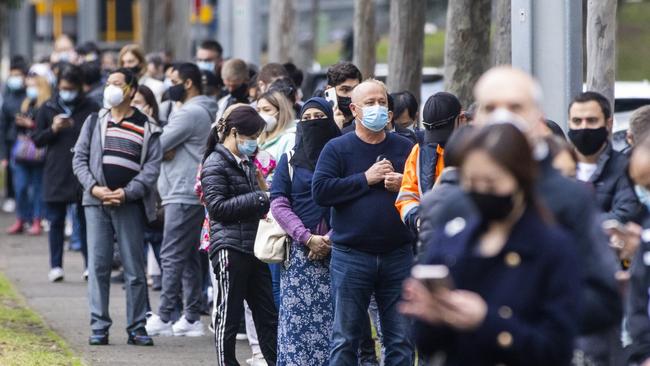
<point>221,129</point>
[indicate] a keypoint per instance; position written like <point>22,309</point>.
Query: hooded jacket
<point>185,133</point>
<point>8,129</point>
<point>88,167</point>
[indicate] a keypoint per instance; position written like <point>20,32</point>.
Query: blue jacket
<point>532,289</point>
<point>638,300</point>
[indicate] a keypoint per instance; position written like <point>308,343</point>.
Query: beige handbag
<point>272,242</point>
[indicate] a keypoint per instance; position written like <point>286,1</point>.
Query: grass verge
<point>24,337</point>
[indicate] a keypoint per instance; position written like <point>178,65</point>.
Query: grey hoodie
<point>186,133</point>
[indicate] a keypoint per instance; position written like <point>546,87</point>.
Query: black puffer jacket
<point>234,201</point>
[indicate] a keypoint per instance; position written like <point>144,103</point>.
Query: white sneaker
<point>241,337</point>
<point>56,274</point>
<point>84,276</point>
<point>156,327</point>
<point>257,360</point>
<point>184,328</point>
<point>9,205</point>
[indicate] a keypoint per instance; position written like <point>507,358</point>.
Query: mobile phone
<point>330,95</point>
<point>433,276</point>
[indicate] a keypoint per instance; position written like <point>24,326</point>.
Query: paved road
<point>64,307</point>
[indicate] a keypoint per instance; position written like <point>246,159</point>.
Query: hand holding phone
<point>433,277</point>
<point>330,95</point>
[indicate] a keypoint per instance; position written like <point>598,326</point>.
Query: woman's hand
<point>319,246</point>
<point>60,122</point>
<point>458,309</point>
<point>24,121</point>
<point>261,181</point>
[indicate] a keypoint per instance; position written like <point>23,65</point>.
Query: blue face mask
<point>205,65</point>
<point>32,92</point>
<point>375,118</point>
<point>247,147</point>
<point>68,96</point>
<point>15,82</point>
<point>643,194</point>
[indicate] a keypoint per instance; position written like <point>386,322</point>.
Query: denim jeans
<point>104,224</point>
<point>56,212</point>
<point>356,275</point>
<point>27,180</point>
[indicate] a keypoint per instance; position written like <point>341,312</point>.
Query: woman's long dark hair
<point>222,128</point>
<point>150,99</point>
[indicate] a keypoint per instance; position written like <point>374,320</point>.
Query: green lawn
<point>25,340</point>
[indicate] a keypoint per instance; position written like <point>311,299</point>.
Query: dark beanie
<point>441,109</point>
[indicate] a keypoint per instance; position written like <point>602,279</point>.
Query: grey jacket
<point>87,163</point>
<point>186,133</point>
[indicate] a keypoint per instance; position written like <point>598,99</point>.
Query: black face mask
<point>135,70</point>
<point>314,134</point>
<point>344,106</point>
<point>241,93</point>
<point>588,140</point>
<point>491,206</point>
<point>176,92</point>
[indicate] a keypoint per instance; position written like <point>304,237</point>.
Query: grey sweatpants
<point>179,259</point>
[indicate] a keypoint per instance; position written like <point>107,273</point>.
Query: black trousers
<point>240,277</point>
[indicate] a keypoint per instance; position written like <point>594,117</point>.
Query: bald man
<point>505,94</point>
<point>371,247</point>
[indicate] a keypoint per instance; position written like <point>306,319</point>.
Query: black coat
<point>59,183</point>
<point>11,103</point>
<point>531,289</point>
<point>234,201</point>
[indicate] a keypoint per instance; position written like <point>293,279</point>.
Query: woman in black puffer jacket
<point>236,203</point>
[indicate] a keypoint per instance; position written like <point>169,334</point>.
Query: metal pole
<point>246,43</point>
<point>21,35</point>
<point>87,20</point>
<point>224,27</point>
<point>552,52</point>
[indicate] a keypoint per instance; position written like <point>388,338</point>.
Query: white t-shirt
<point>585,171</point>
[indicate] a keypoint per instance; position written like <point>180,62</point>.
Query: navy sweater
<point>363,217</point>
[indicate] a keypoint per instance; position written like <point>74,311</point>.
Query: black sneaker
<point>139,337</point>
<point>98,338</point>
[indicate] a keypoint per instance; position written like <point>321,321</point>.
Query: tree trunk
<point>406,53</point>
<point>467,46</point>
<point>305,48</point>
<point>3,27</point>
<point>601,47</point>
<point>502,42</point>
<point>281,30</point>
<point>364,49</point>
<point>165,26</point>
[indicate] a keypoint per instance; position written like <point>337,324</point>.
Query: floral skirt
<point>306,311</point>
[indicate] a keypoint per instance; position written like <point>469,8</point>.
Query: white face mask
<point>113,96</point>
<point>167,83</point>
<point>271,122</point>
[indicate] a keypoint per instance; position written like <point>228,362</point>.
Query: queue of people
<point>446,234</point>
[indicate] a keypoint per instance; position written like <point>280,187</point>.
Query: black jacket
<point>234,201</point>
<point>614,190</point>
<point>59,183</point>
<point>531,289</point>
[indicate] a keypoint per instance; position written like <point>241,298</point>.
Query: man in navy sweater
<point>357,176</point>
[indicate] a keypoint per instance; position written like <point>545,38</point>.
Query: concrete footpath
<point>25,261</point>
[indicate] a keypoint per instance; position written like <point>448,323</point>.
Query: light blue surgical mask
<point>206,66</point>
<point>643,194</point>
<point>32,92</point>
<point>375,118</point>
<point>68,96</point>
<point>15,82</point>
<point>247,147</point>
